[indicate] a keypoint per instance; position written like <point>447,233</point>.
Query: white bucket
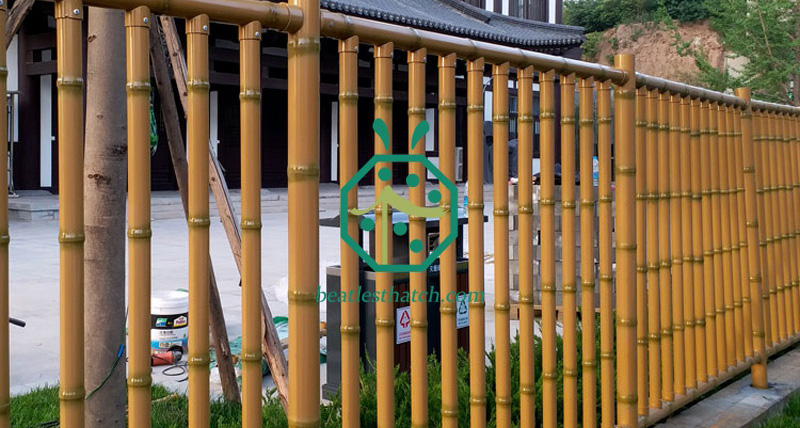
<point>169,321</point>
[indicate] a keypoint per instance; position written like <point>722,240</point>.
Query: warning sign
<point>462,311</point>
<point>403,324</point>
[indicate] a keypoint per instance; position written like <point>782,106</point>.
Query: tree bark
<point>104,207</point>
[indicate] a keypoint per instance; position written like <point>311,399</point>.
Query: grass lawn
<point>789,417</point>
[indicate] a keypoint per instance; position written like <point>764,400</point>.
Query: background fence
<point>706,189</point>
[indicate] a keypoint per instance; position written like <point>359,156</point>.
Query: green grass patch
<point>789,417</point>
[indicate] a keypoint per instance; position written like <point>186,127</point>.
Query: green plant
<point>591,46</point>
<point>637,33</point>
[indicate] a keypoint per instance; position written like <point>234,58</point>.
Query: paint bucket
<point>169,322</point>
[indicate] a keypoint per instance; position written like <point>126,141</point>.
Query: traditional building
<point>32,69</point>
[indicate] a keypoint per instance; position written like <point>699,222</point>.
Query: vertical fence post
<point>641,250</point>
<point>477,327</point>
<point>664,260</point>
<point>348,165</point>
<point>772,189</point>
<point>137,25</point>
<point>589,362</point>
<point>5,399</point>
<point>384,313</point>
<point>697,241</point>
<point>303,176</point>
<point>527,378</point>
<point>716,237</point>
<point>653,283</point>
<point>447,307</point>
<point>198,132</point>
<point>728,270</point>
<point>626,244</point>
<point>686,243</point>
<point>676,231</point>
<point>69,17</point>
<point>547,202</point>
<point>250,101</point>
<point>568,288</point>
<point>759,367</point>
<point>794,227</point>
<point>787,224</point>
<point>501,305</point>
<point>708,245</point>
<point>417,280</point>
<point>605,253</point>
<point>767,295</point>
<point>745,299</point>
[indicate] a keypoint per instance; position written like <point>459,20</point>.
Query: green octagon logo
<point>389,198</point>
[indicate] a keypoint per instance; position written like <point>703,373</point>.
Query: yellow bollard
<point>568,287</point>
<point>384,311</point>
<point>653,304</point>
<point>69,18</point>
<point>626,245</point>
<point>137,26</point>
<point>641,250</point>
<point>198,134</point>
<point>605,253</point>
<point>303,176</point>
<point>746,154</point>
<point>698,271</point>
<point>664,274</point>
<point>686,244</point>
<point>501,305</point>
<point>547,117</point>
<point>447,285</point>
<point>477,326</point>
<point>527,378</point>
<point>708,244</point>
<point>676,233</point>
<point>348,166</point>
<point>417,280</point>
<point>588,363</point>
<point>250,100</point>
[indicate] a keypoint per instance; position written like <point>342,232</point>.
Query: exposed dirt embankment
<point>655,48</point>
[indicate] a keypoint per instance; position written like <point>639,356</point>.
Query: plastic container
<point>169,322</point>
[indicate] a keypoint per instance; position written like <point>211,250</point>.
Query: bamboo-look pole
<point>708,244</point>
<point>690,362</point>
<point>772,189</point>
<point>501,302</point>
<point>250,101</point>
<point>303,176</point>
<point>757,304</point>
<point>198,134</point>
<point>417,280</point>
<point>348,165</point>
<point>5,395</point>
<point>547,117</point>
<point>653,304</point>
<point>719,283</point>
<point>527,378</point>
<point>764,229</point>
<point>605,253</point>
<point>626,246</point>
<point>588,357</point>
<point>477,323</point>
<point>447,285</point>
<point>733,203</point>
<point>69,17</point>
<point>384,312</point>
<point>698,272</point>
<point>568,288</point>
<point>137,28</point>
<point>676,232</point>
<point>795,227</point>
<point>787,222</point>
<point>729,273</point>
<point>641,250</point>
<point>745,300</point>
<point>664,274</point>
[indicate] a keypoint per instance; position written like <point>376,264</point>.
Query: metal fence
<point>707,186</point>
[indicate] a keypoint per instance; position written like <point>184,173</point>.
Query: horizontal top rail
<point>341,26</point>
<point>778,108</point>
<point>664,85</point>
<point>278,16</point>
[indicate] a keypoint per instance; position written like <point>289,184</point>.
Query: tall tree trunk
<point>104,207</point>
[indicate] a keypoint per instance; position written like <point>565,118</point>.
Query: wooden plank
<point>16,16</point>
<point>230,386</point>
<point>270,342</point>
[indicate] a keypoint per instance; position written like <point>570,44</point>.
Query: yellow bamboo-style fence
<point>698,276</point>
